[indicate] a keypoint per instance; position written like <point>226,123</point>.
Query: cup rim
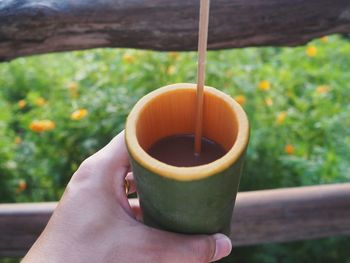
<point>194,172</point>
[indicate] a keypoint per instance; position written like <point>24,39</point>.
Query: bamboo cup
<point>193,200</point>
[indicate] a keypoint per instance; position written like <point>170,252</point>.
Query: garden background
<point>58,109</point>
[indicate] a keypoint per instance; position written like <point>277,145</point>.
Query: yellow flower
<point>281,117</point>
<point>73,89</point>
<point>311,51</point>
<point>127,58</point>
<point>174,55</point>
<point>289,149</point>
<point>324,39</point>
<point>241,99</point>
<point>264,85</point>
<point>42,125</point>
<point>22,104</point>
<point>171,70</point>
<point>268,102</point>
<point>322,89</point>
<point>22,185</point>
<point>40,102</point>
<point>18,140</point>
<point>78,114</point>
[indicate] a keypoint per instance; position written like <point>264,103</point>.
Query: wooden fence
<point>260,217</point>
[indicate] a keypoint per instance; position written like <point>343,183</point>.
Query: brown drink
<point>178,151</point>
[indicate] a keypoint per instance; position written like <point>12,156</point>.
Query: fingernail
<point>223,246</point>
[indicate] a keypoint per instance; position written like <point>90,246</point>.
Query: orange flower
<point>22,185</point>
<point>22,104</point>
<point>264,85</point>
<point>36,126</point>
<point>40,102</point>
<point>127,58</point>
<point>174,55</point>
<point>289,149</point>
<point>73,89</point>
<point>79,114</point>
<point>281,117</point>
<point>324,39</point>
<point>268,102</point>
<point>241,99</point>
<point>48,125</point>
<point>322,89</point>
<point>171,70</point>
<point>42,125</point>
<point>18,140</point>
<point>311,51</point>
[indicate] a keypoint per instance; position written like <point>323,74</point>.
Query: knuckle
<point>85,171</point>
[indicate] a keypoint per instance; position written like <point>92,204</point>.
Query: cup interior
<point>173,113</point>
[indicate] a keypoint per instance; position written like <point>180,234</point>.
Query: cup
<point>191,200</point>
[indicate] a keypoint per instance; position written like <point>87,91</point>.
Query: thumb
<point>218,247</point>
<point>194,248</point>
<point>223,246</point>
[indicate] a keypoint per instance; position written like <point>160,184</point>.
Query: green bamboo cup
<point>191,200</point>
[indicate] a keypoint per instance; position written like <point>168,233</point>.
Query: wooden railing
<point>35,27</point>
<point>260,217</point>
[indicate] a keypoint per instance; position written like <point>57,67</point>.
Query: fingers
<point>136,210</point>
<point>106,171</point>
<point>131,183</point>
<point>191,248</point>
<point>114,156</point>
<point>133,202</point>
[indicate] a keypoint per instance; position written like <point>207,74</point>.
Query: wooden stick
<point>202,49</point>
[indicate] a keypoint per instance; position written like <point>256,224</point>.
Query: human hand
<point>94,222</point>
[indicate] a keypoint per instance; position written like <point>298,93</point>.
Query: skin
<point>94,221</point>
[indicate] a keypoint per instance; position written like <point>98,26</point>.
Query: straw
<point>202,49</point>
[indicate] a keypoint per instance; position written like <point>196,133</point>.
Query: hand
<point>94,222</point>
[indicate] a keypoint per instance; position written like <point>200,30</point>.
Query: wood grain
<point>291,214</point>
<point>36,27</point>
<point>259,217</point>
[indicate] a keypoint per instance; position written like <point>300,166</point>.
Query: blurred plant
<point>58,109</point>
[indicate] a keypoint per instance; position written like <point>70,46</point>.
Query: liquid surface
<point>178,150</point>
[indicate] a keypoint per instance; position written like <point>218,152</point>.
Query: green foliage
<point>299,118</point>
